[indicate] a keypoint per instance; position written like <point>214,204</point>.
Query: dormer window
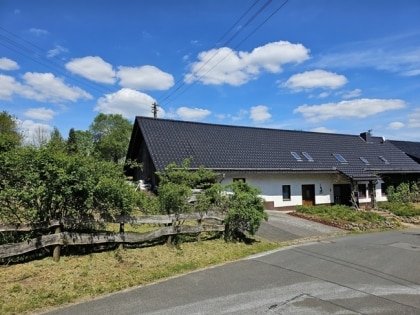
<point>308,156</point>
<point>340,158</point>
<point>383,159</point>
<point>296,156</point>
<point>364,160</point>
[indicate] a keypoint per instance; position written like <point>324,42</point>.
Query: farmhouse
<point>289,167</point>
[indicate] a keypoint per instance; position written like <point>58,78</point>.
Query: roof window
<point>340,158</point>
<point>383,159</point>
<point>364,160</point>
<point>296,156</point>
<point>308,156</point>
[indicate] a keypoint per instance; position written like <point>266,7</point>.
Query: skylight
<point>364,160</point>
<point>308,156</point>
<point>296,156</point>
<point>340,158</point>
<point>383,159</point>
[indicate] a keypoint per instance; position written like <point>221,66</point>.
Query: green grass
<point>44,284</point>
<point>340,213</point>
<point>401,209</point>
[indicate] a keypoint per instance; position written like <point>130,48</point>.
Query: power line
<point>37,54</point>
<point>181,82</point>
<point>227,55</point>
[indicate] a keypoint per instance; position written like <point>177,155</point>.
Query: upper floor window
<point>308,156</point>
<point>296,156</point>
<point>383,159</point>
<point>364,160</point>
<point>340,158</point>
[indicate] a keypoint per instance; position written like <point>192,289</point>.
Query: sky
<point>313,65</point>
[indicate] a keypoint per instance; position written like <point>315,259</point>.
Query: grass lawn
<point>44,284</point>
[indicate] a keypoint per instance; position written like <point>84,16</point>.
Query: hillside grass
<point>44,284</point>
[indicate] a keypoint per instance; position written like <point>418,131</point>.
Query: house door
<point>308,195</point>
<point>342,194</point>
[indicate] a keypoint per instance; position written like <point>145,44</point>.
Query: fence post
<point>57,248</point>
<point>121,232</point>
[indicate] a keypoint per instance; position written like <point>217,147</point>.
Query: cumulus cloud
<point>259,114</point>
<point>359,108</point>
<point>414,119</point>
<point>38,31</point>
<point>93,68</point>
<point>187,113</point>
<point>323,129</point>
<point>315,79</point>
<point>352,94</point>
<point>46,87</point>
<point>8,64</point>
<point>226,66</point>
<point>127,102</point>
<point>56,51</point>
<point>396,125</point>
<point>41,113</point>
<point>8,86</point>
<point>144,78</point>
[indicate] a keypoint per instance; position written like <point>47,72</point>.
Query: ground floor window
<point>362,190</point>
<point>384,187</point>
<point>286,192</point>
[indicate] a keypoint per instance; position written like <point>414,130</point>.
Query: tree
<point>84,140</point>
<point>71,144</point>
<point>246,211</point>
<point>10,137</point>
<point>40,184</point>
<point>111,136</point>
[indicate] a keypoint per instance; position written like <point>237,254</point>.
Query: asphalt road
<point>376,273</point>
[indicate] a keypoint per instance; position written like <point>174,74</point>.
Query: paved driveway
<point>284,227</point>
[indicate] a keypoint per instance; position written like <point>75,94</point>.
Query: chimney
<point>367,136</point>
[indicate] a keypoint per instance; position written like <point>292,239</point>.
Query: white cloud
<point>352,94</point>
<point>259,114</point>
<point>144,78</point>
<point>315,79</point>
<point>93,68</point>
<point>226,66</point>
<point>414,119</point>
<point>8,64</point>
<point>360,108</point>
<point>56,51</point>
<point>396,125</point>
<point>324,95</point>
<point>38,31</point>
<point>187,113</point>
<point>127,102</point>
<point>45,87</point>
<point>8,86</point>
<point>41,113</point>
<point>324,130</point>
<point>35,133</point>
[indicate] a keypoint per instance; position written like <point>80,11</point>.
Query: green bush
<point>400,209</point>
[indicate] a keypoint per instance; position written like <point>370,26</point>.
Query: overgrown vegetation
<point>406,192</point>
<point>401,209</point>
<point>340,213</point>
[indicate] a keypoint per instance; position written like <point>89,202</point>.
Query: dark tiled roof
<point>247,149</point>
<point>411,148</point>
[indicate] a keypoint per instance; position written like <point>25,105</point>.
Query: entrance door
<point>308,195</point>
<point>342,194</point>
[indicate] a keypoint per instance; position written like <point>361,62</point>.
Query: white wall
<point>270,186</point>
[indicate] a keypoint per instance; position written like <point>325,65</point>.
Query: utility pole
<point>155,109</point>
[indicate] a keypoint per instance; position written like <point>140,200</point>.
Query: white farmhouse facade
<point>290,168</point>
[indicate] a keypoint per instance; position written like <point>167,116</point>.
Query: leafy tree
<point>10,137</point>
<point>84,141</point>
<point>246,211</point>
<point>40,184</point>
<point>71,144</point>
<point>56,141</point>
<point>111,135</point>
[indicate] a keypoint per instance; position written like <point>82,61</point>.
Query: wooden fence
<point>210,222</point>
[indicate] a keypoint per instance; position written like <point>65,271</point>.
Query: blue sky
<point>326,66</point>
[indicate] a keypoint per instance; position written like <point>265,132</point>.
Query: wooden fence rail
<point>61,238</point>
